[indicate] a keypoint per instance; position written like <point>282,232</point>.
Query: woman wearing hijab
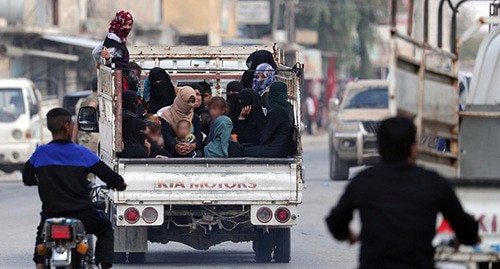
<point>254,60</point>
<point>113,49</point>
<point>134,140</point>
<point>130,103</point>
<point>200,108</point>
<point>264,77</point>
<point>251,118</point>
<point>162,90</point>
<point>233,88</point>
<point>222,144</point>
<point>276,137</point>
<point>181,110</point>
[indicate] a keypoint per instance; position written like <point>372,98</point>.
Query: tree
<point>345,27</point>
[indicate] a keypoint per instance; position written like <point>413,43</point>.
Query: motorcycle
<point>65,242</point>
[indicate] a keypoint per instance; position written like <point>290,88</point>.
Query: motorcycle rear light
<point>132,215</point>
<point>282,215</point>
<point>264,214</point>
<point>149,215</point>
<point>60,232</point>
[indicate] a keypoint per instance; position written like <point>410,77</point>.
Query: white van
<point>21,122</point>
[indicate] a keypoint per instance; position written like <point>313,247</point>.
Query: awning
<point>12,51</point>
<point>73,40</point>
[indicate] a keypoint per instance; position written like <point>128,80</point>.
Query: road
<point>312,245</point>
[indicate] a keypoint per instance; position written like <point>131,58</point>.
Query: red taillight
<point>60,232</point>
<point>264,214</point>
<point>132,215</point>
<point>282,214</point>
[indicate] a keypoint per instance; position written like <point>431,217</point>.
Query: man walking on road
<point>398,203</point>
<point>60,170</point>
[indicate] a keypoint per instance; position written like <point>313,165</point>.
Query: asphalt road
<point>312,245</point>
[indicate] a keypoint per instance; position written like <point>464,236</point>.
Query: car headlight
<point>348,143</point>
<point>17,134</point>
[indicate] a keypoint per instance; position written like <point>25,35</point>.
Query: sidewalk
<point>315,141</point>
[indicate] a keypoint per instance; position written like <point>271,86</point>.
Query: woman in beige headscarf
<point>181,110</point>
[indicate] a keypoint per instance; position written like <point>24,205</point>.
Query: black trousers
<point>95,223</point>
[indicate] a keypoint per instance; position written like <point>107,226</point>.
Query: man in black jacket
<point>398,203</point>
<point>60,170</point>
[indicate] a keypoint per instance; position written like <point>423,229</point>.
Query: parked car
<point>70,100</point>
<point>21,122</point>
<point>354,125</point>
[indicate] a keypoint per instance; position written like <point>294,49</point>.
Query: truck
<point>199,202</point>
<point>22,122</point>
<point>354,124</point>
<point>424,86</point>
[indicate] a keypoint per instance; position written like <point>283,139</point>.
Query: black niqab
<point>255,121</point>
<point>232,99</point>
<point>130,102</point>
<point>162,90</point>
<point>134,135</point>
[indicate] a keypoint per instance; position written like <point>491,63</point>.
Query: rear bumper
<point>15,154</point>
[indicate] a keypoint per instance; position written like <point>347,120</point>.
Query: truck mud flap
<point>131,239</point>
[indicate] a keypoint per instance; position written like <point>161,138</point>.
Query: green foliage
<point>345,27</point>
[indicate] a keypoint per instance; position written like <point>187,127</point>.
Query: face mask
<point>126,31</point>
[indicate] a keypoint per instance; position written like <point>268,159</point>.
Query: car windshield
<point>371,98</point>
<point>12,104</point>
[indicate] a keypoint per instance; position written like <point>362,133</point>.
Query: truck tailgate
<point>481,197</point>
<point>209,181</point>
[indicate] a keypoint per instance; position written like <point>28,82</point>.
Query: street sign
<point>253,12</point>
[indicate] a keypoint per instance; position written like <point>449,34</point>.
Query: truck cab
<point>199,202</point>
<point>21,126</point>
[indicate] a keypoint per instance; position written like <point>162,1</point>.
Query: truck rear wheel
<point>263,246</point>
<point>282,251</point>
<point>339,169</point>
<point>137,257</point>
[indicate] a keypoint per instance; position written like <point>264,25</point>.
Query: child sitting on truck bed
<point>216,107</point>
<point>184,136</point>
<point>223,145</point>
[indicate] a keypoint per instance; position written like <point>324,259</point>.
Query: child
<point>218,107</point>
<point>184,136</point>
<point>155,139</point>
<point>222,144</point>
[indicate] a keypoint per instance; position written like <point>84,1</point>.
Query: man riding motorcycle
<point>60,170</point>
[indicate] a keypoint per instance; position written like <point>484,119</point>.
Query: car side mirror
<point>87,119</point>
<point>334,104</point>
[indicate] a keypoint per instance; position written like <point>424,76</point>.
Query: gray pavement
<point>312,245</point>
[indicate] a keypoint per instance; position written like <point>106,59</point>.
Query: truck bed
<point>206,181</point>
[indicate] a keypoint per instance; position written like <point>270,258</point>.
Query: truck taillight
<point>132,215</point>
<point>149,215</point>
<point>282,214</point>
<point>264,214</point>
<point>60,232</point>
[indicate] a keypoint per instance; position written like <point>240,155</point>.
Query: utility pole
<point>276,15</point>
<point>290,7</point>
